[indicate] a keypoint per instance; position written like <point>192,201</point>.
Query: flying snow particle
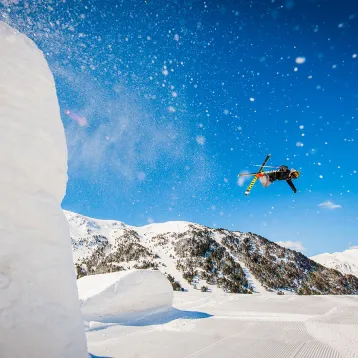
<point>300,60</point>
<point>301,126</point>
<point>171,109</point>
<point>354,55</point>
<point>289,4</point>
<point>299,144</point>
<point>150,220</point>
<point>252,99</point>
<point>295,69</point>
<point>176,37</point>
<point>242,179</point>
<point>165,72</point>
<point>174,94</point>
<point>200,139</point>
<point>81,121</point>
<point>226,111</point>
<point>321,176</point>
<point>141,176</point>
<point>310,77</point>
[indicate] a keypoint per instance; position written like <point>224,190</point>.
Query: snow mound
<point>39,310</point>
<point>124,293</point>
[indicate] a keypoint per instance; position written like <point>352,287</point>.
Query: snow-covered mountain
<point>192,255</point>
<point>345,262</point>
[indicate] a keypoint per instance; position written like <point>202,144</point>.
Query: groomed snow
<point>237,326</point>
<point>114,295</point>
<point>40,315</point>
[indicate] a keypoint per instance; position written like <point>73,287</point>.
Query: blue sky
<point>165,102</point>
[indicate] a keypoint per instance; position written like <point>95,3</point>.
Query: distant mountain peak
<point>345,262</point>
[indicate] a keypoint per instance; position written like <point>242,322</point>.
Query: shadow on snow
<point>147,319</point>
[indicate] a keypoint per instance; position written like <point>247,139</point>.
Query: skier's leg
<point>265,180</point>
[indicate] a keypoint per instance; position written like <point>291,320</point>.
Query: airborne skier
<point>267,178</point>
<point>282,174</point>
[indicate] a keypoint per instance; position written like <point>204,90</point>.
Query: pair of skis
<point>256,175</point>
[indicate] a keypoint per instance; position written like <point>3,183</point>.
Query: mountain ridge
<point>195,256</point>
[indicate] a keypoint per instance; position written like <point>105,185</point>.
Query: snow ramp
<point>124,294</point>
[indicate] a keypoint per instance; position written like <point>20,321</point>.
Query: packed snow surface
<point>109,296</point>
<point>39,310</point>
<point>206,325</point>
<point>345,262</point>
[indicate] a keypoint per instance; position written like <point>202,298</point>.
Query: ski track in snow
<point>247,326</point>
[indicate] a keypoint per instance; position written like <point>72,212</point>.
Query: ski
<point>266,166</point>
<point>249,174</point>
<point>247,192</point>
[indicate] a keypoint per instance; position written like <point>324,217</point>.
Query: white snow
<point>39,311</point>
<point>230,325</point>
<point>300,60</point>
<point>345,262</point>
<point>110,296</point>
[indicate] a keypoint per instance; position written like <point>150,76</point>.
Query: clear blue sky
<point>165,102</point>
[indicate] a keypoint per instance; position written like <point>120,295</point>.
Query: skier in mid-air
<point>283,173</point>
<point>267,178</point>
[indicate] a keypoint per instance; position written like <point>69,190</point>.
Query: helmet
<point>295,174</point>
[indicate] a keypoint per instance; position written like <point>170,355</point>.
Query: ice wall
<point>124,293</point>
<point>39,308</point>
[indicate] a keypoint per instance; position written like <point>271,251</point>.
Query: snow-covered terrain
<point>123,294</point>
<point>345,262</point>
<point>195,256</point>
<point>88,234</point>
<point>235,326</point>
<point>39,311</point>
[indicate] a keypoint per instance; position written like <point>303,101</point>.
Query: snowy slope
<point>193,256</point>
<point>345,262</point>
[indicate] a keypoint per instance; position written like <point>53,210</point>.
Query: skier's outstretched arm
<point>292,186</point>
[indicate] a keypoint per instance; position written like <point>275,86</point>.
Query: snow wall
<point>40,314</point>
<point>124,293</point>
